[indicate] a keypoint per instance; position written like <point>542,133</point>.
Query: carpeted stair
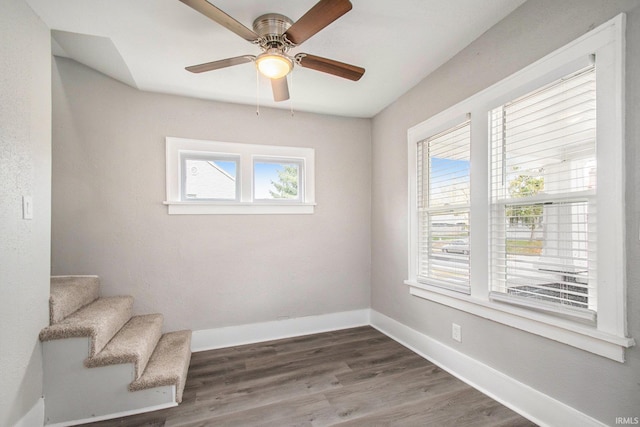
<point>99,320</point>
<point>115,337</point>
<point>134,343</point>
<point>166,366</point>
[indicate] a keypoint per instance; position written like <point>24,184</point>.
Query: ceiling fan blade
<point>223,63</point>
<point>319,16</point>
<point>330,66</point>
<point>280,89</point>
<point>212,12</point>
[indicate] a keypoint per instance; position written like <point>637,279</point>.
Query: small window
<point>210,177</point>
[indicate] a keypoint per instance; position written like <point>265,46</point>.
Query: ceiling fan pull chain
<point>292,91</point>
<point>257,92</point>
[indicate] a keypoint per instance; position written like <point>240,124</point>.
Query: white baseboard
<point>530,403</point>
<point>35,416</point>
<point>210,339</point>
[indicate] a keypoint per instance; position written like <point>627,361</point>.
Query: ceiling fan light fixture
<point>273,64</point>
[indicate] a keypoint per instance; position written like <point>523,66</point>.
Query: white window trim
<point>247,153</point>
<point>609,337</point>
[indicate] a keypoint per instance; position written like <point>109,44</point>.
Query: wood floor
<point>353,377</point>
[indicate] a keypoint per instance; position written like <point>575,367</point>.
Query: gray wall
<point>213,271</point>
<point>596,386</point>
<point>203,271</point>
<point>25,169</point>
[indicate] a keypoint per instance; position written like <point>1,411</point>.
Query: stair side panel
<point>75,394</point>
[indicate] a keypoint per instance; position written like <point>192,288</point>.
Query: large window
<point>543,197</point>
<point>523,222</point>
<point>209,177</point>
<point>443,208</point>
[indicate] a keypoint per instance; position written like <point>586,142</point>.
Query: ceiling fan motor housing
<point>271,28</point>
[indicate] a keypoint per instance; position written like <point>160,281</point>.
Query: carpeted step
<point>168,365</point>
<point>134,343</point>
<point>99,320</point>
<point>71,293</point>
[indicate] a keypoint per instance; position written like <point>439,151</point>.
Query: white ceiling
<point>147,43</point>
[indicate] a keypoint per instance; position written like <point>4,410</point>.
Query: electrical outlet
<point>456,332</point>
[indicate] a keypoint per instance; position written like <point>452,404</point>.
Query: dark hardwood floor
<point>352,377</point>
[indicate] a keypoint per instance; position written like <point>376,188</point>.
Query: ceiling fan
<point>276,34</point>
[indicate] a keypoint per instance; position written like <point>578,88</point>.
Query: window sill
<point>561,330</point>
<point>258,208</point>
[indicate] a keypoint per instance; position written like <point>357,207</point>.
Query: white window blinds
<point>543,186</point>
<point>443,208</point>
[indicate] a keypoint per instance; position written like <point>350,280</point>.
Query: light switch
<point>27,207</point>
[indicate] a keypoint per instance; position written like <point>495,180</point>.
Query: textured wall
<point>25,169</point>
<point>203,271</point>
<point>596,386</point>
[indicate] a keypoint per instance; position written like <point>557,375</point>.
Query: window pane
<point>208,179</point>
<point>449,181</point>
<point>548,135</point>
<point>543,184</point>
<point>545,253</point>
<point>444,249</point>
<point>276,180</point>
